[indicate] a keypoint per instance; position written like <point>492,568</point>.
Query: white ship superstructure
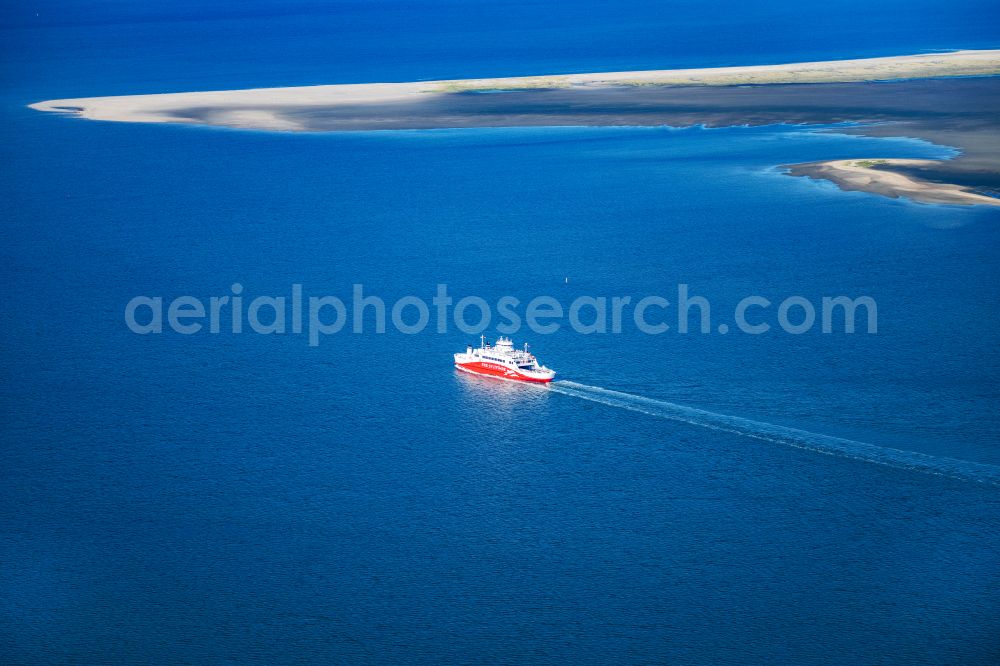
<point>503,361</point>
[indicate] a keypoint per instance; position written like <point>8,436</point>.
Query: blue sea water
<point>683,498</point>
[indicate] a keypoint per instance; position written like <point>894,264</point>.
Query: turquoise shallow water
<point>249,498</point>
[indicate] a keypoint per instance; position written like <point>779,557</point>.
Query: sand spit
<point>875,176</point>
<point>948,98</point>
<point>267,108</point>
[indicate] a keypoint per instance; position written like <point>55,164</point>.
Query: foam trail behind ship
<point>836,446</point>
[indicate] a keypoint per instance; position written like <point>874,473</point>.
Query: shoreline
<point>262,108</point>
<point>949,99</point>
<point>879,176</point>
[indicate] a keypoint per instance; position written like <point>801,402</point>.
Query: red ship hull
<point>500,372</point>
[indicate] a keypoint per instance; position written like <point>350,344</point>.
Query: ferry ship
<point>502,361</point>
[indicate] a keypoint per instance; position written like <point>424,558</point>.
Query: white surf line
<point>801,439</point>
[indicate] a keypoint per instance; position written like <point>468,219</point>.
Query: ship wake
<point>801,439</point>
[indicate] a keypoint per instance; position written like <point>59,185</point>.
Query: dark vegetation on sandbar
<point>960,112</point>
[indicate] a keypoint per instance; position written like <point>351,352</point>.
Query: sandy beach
<point>878,176</point>
<point>949,98</point>
<point>266,108</point>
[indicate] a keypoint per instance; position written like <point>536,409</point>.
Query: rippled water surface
<point>249,498</point>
